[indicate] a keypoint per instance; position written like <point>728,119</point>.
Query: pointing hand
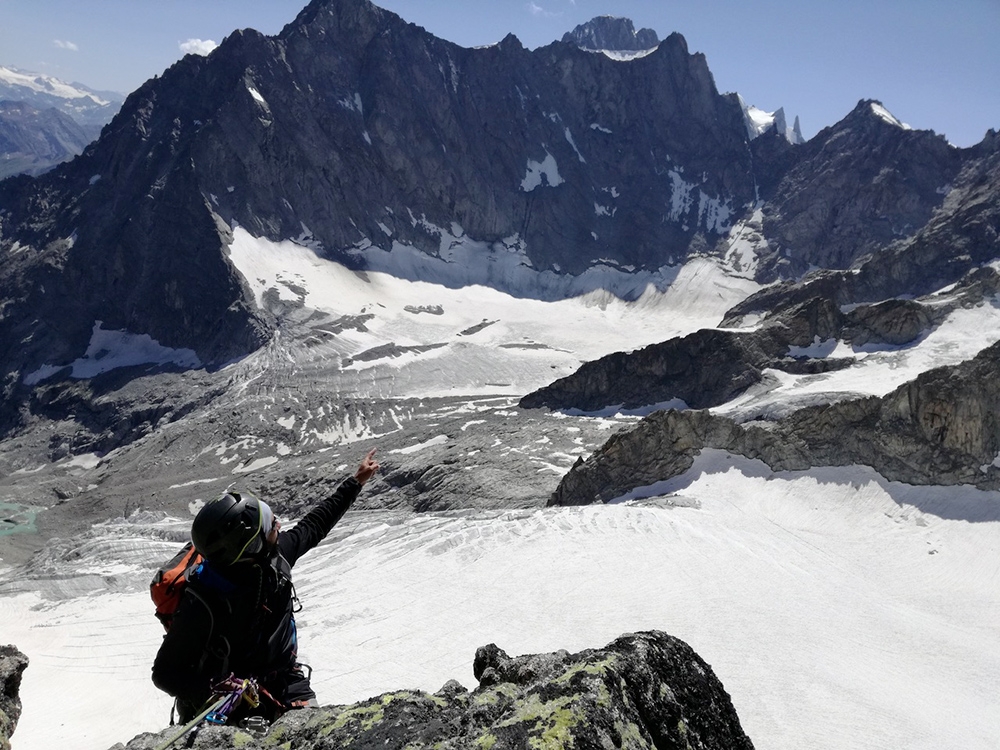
<point>367,468</point>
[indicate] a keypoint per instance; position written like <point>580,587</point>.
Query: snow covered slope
<point>839,610</point>
<point>83,104</point>
<point>454,335</point>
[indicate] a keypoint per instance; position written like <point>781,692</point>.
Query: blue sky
<point>934,64</point>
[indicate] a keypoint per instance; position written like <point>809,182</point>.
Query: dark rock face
<point>644,690</point>
<point>610,33</point>
<point>855,188</point>
<point>941,428</point>
<point>32,141</point>
<point>367,131</point>
<point>703,369</point>
<point>710,367</point>
<point>895,322</point>
<point>12,666</point>
<point>961,234</point>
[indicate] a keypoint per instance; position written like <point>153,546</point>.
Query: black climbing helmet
<point>231,527</point>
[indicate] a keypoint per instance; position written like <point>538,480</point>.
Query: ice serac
<point>12,666</point>
<point>759,122</point>
<point>643,690</point>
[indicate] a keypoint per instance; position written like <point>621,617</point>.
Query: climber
<point>236,614</point>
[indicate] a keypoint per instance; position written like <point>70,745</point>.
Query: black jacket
<point>239,619</point>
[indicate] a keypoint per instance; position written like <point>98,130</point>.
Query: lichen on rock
<point>12,666</point>
<point>643,690</point>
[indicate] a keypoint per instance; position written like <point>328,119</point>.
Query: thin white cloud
<point>66,45</point>
<point>197,46</point>
<point>537,10</point>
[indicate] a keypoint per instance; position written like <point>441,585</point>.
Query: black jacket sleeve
<point>316,524</point>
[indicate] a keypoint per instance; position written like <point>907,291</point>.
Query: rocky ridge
<point>712,366</point>
<point>562,159</point>
<point>961,235</point>
<point>939,429</point>
<point>853,189</point>
<point>643,690</point>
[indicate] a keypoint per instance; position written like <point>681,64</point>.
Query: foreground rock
<point>12,666</point>
<point>644,690</point>
<point>940,428</point>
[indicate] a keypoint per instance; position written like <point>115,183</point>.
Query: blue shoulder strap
<point>212,579</point>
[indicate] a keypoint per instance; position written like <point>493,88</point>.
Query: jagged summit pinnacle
<point>611,33</point>
<point>348,18</point>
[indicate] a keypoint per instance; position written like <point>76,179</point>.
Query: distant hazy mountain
<point>92,109</point>
<point>45,121</point>
<point>32,141</point>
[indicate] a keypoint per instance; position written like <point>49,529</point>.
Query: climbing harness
<point>193,724</point>
<point>234,691</point>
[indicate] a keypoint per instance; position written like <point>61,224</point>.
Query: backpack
<point>170,580</point>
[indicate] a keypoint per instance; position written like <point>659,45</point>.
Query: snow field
<point>525,343</point>
<point>839,610</point>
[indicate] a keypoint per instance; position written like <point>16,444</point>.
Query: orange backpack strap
<point>170,580</point>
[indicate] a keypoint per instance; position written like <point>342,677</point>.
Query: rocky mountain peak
<point>371,141</point>
<point>352,21</point>
<point>871,119</point>
<point>611,33</point>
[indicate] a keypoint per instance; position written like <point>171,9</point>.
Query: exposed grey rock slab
<point>940,428</point>
<point>643,690</point>
<point>712,366</point>
<point>12,666</point>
